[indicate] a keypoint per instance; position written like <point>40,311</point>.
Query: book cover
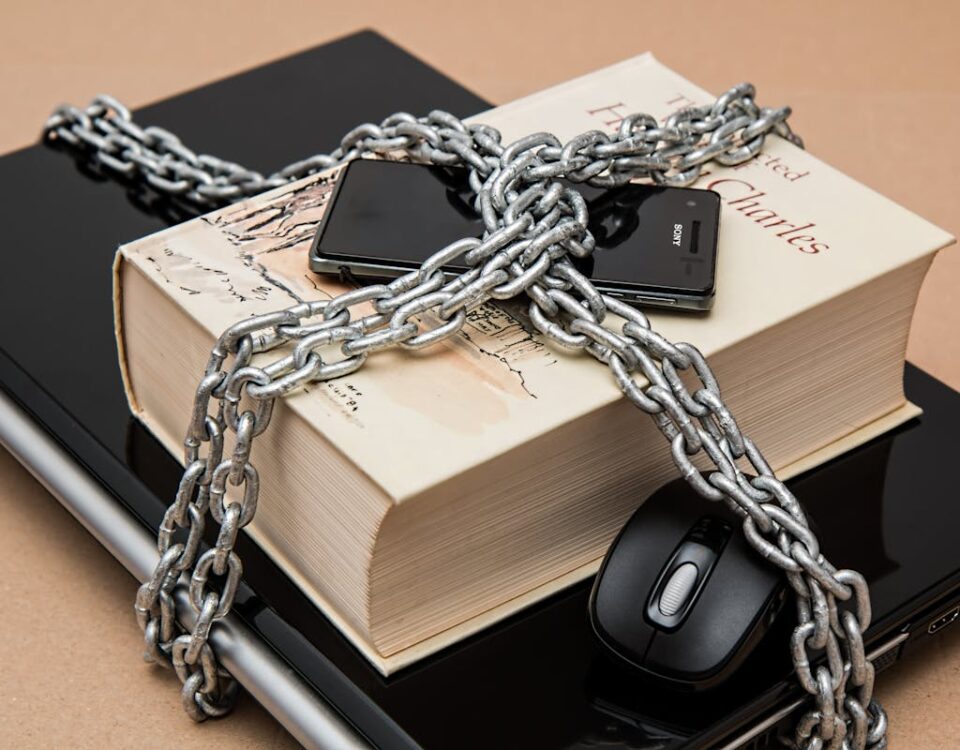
<point>804,229</point>
<point>795,233</point>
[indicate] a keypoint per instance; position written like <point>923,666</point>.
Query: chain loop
<point>532,223</point>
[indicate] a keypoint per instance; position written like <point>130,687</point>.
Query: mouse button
<point>616,603</point>
<point>680,582</point>
<point>678,589</point>
<point>625,580</point>
<point>635,559</point>
<point>723,623</point>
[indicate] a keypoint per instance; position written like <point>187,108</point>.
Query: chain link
<point>533,222</point>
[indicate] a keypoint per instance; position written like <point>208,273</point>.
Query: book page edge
<point>118,332</point>
<point>412,654</point>
<point>902,414</point>
<point>388,665</point>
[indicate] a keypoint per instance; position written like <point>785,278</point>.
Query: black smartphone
<point>656,246</point>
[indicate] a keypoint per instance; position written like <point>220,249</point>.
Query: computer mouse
<point>681,596</point>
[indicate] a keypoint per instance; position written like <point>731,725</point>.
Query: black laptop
<point>537,681</point>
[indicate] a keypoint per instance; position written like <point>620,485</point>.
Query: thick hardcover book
<point>517,462</point>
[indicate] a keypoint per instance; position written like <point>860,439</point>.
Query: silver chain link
<point>533,223</point>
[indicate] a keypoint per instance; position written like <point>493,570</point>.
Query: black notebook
<point>537,681</point>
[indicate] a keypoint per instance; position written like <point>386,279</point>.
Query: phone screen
<point>398,214</point>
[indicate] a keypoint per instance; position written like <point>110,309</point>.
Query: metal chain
<point>533,222</point>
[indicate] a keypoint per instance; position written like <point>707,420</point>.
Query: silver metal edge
<point>777,716</point>
<point>310,719</point>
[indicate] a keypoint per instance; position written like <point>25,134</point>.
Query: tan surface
<point>876,91</point>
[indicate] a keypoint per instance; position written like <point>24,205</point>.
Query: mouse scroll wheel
<point>677,590</point>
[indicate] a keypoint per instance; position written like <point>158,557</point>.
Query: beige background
<point>875,90</point>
